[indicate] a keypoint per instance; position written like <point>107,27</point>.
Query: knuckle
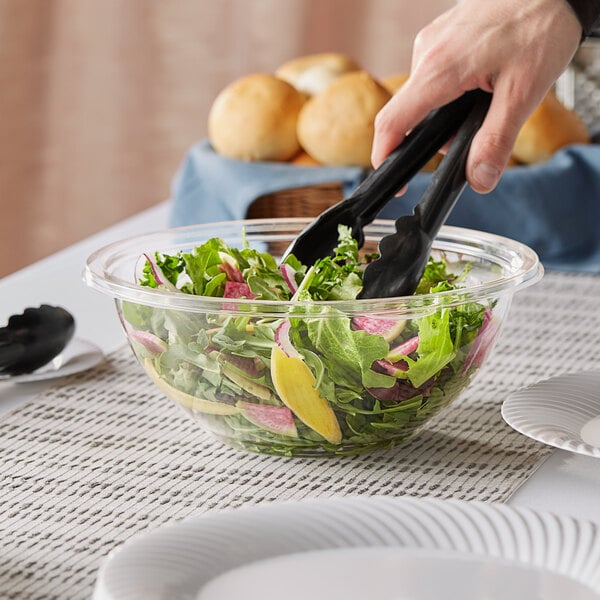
<point>425,37</point>
<point>380,119</point>
<point>496,144</point>
<point>384,119</point>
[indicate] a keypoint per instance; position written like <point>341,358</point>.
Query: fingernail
<point>485,176</point>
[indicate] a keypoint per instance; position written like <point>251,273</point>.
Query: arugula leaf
<point>291,260</point>
<point>171,266</point>
<point>348,354</point>
<point>435,273</point>
<point>436,348</point>
<point>202,265</point>
<point>268,288</point>
<point>337,277</point>
<point>138,315</point>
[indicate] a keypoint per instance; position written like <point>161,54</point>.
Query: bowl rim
<point>527,271</point>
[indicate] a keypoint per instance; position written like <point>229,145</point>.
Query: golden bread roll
<point>313,73</point>
<point>336,126</point>
<point>550,127</point>
<point>433,163</point>
<point>392,83</point>
<point>255,117</point>
<point>304,159</point>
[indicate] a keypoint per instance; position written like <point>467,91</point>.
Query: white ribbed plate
<point>562,411</point>
<point>175,561</point>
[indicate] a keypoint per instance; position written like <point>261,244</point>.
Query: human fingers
<point>408,107</point>
<point>492,145</point>
<point>437,76</point>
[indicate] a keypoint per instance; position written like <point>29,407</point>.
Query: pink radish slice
<point>482,343</point>
<point>388,328</point>
<point>282,339</point>
<point>231,272</point>
<point>388,368</point>
<point>151,342</point>
<point>276,419</point>
<point>404,349</point>
<point>159,276</point>
<point>289,274</point>
<point>235,289</point>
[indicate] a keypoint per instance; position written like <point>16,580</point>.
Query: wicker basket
<point>308,201</point>
<point>296,202</point>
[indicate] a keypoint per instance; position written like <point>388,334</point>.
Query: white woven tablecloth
<point>104,455</point>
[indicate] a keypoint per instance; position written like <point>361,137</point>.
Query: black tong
<point>32,339</point>
<point>403,255</point>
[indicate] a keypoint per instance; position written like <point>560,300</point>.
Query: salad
<point>314,379</point>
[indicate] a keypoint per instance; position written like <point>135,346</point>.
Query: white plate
<point>178,561</point>
<point>78,356</point>
<point>380,573</point>
<point>563,411</point>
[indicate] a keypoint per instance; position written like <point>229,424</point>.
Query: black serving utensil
<point>420,145</point>
<point>34,338</point>
<point>404,254</point>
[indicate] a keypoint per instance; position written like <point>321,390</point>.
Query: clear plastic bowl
<point>224,363</point>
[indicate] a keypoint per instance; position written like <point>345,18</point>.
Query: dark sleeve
<point>588,13</point>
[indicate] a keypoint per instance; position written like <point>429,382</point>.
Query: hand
<point>513,48</point>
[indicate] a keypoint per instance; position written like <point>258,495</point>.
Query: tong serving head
<point>32,339</point>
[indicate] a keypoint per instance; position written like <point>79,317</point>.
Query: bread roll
<point>433,163</point>
<point>336,126</point>
<point>304,159</point>
<point>313,73</point>
<point>550,127</point>
<point>392,83</point>
<point>255,118</point>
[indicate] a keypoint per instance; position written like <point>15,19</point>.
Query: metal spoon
<point>34,338</point>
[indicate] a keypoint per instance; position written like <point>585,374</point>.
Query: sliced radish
<point>251,366</point>
<point>159,276</point>
<point>289,274</point>
<point>386,367</point>
<point>282,339</point>
<point>403,349</point>
<point>276,419</point>
<point>235,289</point>
<point>481,344</point>
<point>390,329</point>
<point>151,342</point>
<point>232,273</point>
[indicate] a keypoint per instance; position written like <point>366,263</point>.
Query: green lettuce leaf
<point>348,354</point>
<point>436,348</point>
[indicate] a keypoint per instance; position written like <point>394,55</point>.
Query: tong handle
<point>403,163</point>
<point>449,179</point>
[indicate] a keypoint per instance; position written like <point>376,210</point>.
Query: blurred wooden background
<point>100,99</point>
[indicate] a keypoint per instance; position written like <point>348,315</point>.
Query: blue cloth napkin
<point>209,187</point>
<point>552,207</point>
